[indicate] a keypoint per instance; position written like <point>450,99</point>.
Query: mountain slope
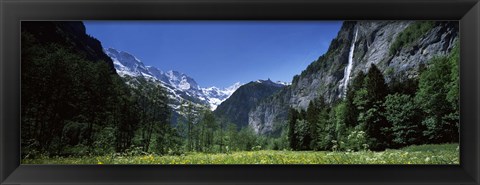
<point>179,85</point>
<point>236,108</point>
<point>71,34</point>
<point>359,44</point>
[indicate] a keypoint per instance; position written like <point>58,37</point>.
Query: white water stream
<point>348,69</point>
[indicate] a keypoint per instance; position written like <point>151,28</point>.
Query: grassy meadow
<point>422,154</point>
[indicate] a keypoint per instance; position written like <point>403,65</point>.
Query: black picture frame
<point>13,11</point>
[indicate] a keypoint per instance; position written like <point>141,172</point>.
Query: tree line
<point>73,106</point>
<point>375,115</point>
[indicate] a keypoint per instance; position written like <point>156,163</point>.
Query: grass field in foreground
<point>423,154</point>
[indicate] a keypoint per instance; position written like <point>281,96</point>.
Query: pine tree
<point>369,100</point>
<point>351,110</point>
<point>293,115</point>
<point>312,115</point>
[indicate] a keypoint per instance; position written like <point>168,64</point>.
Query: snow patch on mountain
<point>179,85</point>
<point>283,83</point>
<point>217,96</point>
<point>277,83</point>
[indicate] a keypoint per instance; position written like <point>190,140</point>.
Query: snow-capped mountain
<point>216,96</point>
<point>270,82</point>
<point>126,64</point>
<point>181,81</point>
<point>178,84</point>
<point>283,83</point>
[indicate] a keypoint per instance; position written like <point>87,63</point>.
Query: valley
<point>385,92</point>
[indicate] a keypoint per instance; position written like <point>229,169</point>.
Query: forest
<point>76,110</point>
<point>74,107</point>
<point>376,116</point>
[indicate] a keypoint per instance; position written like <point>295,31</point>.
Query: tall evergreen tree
<point>351,110</point>
<point>293,115</point>
<point>370,100</point>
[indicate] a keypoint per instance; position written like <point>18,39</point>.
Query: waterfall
<point>348,69</point>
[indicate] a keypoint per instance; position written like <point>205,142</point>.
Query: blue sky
<point>220,53</point>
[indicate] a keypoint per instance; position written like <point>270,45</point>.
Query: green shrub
<point>356,140</point>
<point>411,34</point>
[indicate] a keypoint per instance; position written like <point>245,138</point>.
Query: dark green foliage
<point>327,133</point>
<point>247,139</point>
<point>188,126</point>
<point>369,100</point>
<point>311,129</point>
<point>124,115</point>
<point>376,122</point>
<point>453,95</point>
<point>208,125</point>
<point>412,33</point>
<point>438,97</point>
<point>281,142</point>
<point>293,116</point>
<point>320,132</point>
<point>73,104</point>
<point>408,86</point>
<point>154,113</point>
<point>62,91</point>
<point>168,141</point>
<point>405,117</point>
<point>351,110</point>
<point>312,119</point>
<point>339,117</point>
<point>71,34</point>
<point>300,131</point>
<point>375,85</point>
<point>302,135</point>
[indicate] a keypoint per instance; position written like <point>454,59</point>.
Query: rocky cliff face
<point>364,43</point>
<point>236,108</point>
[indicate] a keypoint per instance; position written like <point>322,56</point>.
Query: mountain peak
<point>270,82</point>
<point>233,87</point>
<point>177,82</point>
<point>126,64</point>
<point>111,50</point>
<point>240,103</point>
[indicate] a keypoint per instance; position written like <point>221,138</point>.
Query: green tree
<point>435,83</point>
<point>231,137</point>
<point>208,126</point>
<point>410,34</point>
<point>312,119</point>
<point>351,110</point>
<point>189,114</point>
<point>326,131</point>
<point>302,134</point>
<point>246,139</point>
<point>293,116</point>
<point>340,118</point>
<point>369,101</point>
<point>154,112</point>
<point>405,117</point>
<point>453,95</point>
